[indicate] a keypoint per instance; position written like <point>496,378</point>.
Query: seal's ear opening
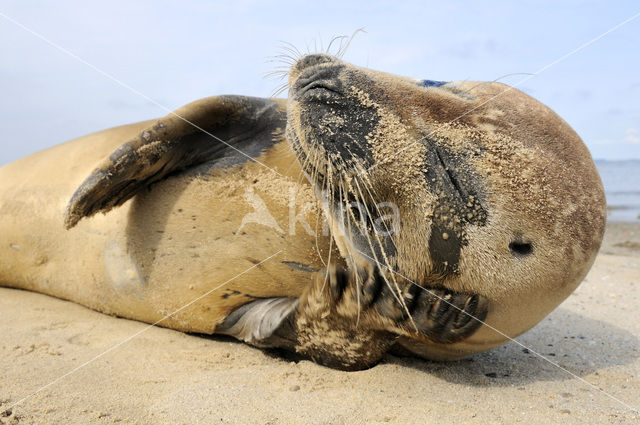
<point>235,128</point>
<point>520,248</point>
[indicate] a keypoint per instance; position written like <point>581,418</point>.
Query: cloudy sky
<point>175,52</point>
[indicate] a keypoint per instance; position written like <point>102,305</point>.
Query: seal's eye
<point>520,248</point>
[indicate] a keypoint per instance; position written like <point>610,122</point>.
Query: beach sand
<point>159,376</point>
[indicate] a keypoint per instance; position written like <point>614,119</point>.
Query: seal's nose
<point>308,61</point>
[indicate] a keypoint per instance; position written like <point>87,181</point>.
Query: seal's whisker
<point>397,293</point>
<point>367,186</point>
<point>315,172</point>
<point>292,47</point>
<point>358,284</point>
<point>375,204</point>
<point>280,89</point>
<point>340,46</point>
<point>277,74</point>
<point>353,267</point>
<point>318,215</point>
<point>358,289</point>
<point>292,51</point>
<point>333,40</point>
<point>328,263</point>
<point>366,204</point>
<point>289,52</point>
<point>344,198</point>
<point>284,57</point>
<point>281,70</point>
<point>343,50</point>
<point>287,56</point>
<point>386,262</point>
<point>280,73</point>
<point>319,211</point>
<point>286,60</point>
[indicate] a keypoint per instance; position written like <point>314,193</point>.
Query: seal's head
<point>473,187</point>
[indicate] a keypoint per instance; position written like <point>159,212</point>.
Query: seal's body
<point>448,205</point>
<point>170,244</point>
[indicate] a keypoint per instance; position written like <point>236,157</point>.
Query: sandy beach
<point>157,376</point>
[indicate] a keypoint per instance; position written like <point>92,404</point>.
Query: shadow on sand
<point>581,345</point>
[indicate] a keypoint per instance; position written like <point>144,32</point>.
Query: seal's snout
<point>308,61</point>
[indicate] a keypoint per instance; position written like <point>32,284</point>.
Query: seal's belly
<point>190,237</point>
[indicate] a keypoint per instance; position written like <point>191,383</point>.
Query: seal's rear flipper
<point>235,128</point>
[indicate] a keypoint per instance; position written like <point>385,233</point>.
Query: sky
<point>130,61</point>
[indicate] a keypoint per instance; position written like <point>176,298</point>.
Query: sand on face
<point>163,376</point>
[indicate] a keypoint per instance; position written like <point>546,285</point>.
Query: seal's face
<point>474,187</point>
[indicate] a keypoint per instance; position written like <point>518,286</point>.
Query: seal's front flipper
<point>434,314</point>
<point>264,323</point>
<point>230,129</point>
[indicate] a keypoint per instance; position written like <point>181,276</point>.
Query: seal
<point>457,216</point>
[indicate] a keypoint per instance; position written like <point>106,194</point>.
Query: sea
<point>621,181</point>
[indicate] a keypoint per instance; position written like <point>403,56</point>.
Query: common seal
<point>459,215</point>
